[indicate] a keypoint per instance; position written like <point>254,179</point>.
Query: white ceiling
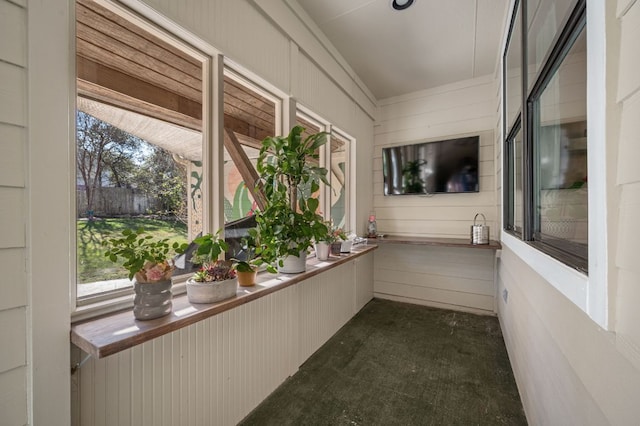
<point>434,42</point>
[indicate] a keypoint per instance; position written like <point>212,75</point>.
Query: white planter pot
<point>322,250</point>
<point>211,292</point>
<point>346,246</point>
<point>294,264</point>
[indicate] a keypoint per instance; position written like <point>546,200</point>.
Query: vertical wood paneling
<point>218,370</point>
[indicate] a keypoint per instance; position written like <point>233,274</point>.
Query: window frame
<point>348,179</point>
<point>574,27</point>
<point>587,292</point>
<point>212,63</point>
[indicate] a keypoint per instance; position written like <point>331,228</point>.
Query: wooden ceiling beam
<point>104,48</point>
<point>89,11</point>
<point>132,87</point>
<point>110,97</point>
<point>246,169</point>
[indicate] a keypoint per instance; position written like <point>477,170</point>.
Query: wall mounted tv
<point>447,166</point>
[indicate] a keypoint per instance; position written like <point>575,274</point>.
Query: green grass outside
<point>93,265</point>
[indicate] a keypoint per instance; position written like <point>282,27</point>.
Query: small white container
<point>345,247</point>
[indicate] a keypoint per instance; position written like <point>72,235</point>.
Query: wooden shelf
<point>116,332</point>
<point>438,242</point>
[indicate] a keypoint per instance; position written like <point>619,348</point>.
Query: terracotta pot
<point>247,279</point>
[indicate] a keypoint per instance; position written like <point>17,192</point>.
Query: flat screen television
<point>447,166</point>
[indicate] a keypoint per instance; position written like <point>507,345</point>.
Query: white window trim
<point>349,181</point>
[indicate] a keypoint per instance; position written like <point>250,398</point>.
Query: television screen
<point>448,166</point>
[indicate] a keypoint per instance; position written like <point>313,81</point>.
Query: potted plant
<point>323,243</point>
<point>150,265</point>
<point>289,222</point>
<point>339,237</point>
<point>216,279</point>
<point>247,268</point>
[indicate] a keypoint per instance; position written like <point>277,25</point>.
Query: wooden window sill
<point>438,242</point>
<point>110,334</point>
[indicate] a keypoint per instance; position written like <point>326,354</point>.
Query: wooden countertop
<point>439,242</point>
<point>116,332</point>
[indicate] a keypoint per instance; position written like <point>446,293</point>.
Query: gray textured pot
<point>211,292</point>
<point>152,300</point>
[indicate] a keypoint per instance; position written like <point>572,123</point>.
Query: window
<point>513,214</point>
<point>545,21</point>
<point>335,156</point>
<point>250,115</point>
<point>312,126</point>
<point>339,168</point>
<point>545,148</point>
<point>559,132</point>
<point>139,143</point>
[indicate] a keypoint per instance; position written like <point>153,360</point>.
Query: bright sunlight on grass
<point>93,265</point>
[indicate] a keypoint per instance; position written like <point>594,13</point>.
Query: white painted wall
<point>216,371</point>
<point>14,365</point>
<point>450,278</point>
<point>461,109</point>
<point>568,369</point>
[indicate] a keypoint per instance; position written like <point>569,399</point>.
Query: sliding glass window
<point>545,145</point>
<point>559,130</point>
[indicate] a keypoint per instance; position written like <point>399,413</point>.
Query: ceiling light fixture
<point>401,4</point>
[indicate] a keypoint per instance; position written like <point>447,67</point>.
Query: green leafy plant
<point>289,222</point>
<point>333,234</point>
<point>146,258</point>
<point>210,246</point>
<point>251,261</point>
<point>220,270</point>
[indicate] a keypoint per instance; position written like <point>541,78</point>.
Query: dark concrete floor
<point>401,364</point>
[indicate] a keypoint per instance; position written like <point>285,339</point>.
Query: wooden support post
<point>246,169</point>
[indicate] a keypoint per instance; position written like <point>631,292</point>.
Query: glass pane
<point>139,142</point>
<point>513,70</point>
<point>561,152</point>
<point>249,117</point>
<point>311,128</point>
<point>518,213</point>
<point>545,20</point>
<point>338,179</point>
<point>123,182</point>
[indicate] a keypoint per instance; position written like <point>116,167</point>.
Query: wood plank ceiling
<point>125,66</point>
